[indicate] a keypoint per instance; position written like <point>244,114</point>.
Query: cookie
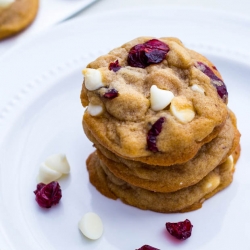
<point>175,177</point>
<point>159,113</point>
<point>183,200</point>
<point>17,16</point>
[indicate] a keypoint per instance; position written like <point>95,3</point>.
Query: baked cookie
<point>153,101</point>
<point>175,177</point>
<point>17,16</point>
<point>183,200</point>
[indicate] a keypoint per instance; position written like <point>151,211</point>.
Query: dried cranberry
<point>150,52</point>
<point>111,94</point>
<point>48,195</point>
<point>147,247</point>
<point>156,44</point>
<point>214,68</point>
<point>216,81</point>
<point>153,133</point>
<point>181,230</point>
<point>114,66</point>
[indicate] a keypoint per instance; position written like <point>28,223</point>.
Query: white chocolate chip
<point>6,3</point>
<point>93,79</point>
<point>160,98</point>
<point>95,110</point>
<point>53,168</point>
<point>59,163</point>
<point>198,88</point>
<point>231,159</point>
<point>182,109</point>
<point>228,165</point>
<point>231,162</point>
<point>91,226</point>
<point>214,183</point>
<point>47,175</point>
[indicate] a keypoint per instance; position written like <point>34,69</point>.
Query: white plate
<point>41,115</point>
<point>49,13</point>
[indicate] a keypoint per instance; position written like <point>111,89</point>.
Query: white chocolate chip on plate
<point>198,88</point>
<point>182,109</point>
<point>53,168</point>
<point>59,163</point>
<point>160,98</point>
<point>93,79</point>
<point>47,175</point>
<point>91,226</point>
<point>94,110</point>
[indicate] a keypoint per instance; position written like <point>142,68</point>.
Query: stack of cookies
<point>157,114</point>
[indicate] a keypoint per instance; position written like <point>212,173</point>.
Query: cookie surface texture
<point>124,115</point>
<point>17,16</point>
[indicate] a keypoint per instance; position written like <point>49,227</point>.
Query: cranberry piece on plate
<point>180,230</point>
<point>48,195</point>
<point>147,247</point>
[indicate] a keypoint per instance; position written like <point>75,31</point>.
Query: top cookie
<point>154,101</point>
